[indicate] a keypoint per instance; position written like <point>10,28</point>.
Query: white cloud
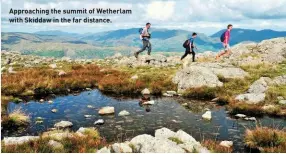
<point>160,10</point>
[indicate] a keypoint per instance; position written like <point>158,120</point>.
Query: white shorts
<point>226,47</point>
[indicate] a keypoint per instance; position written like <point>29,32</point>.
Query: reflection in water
<point>143,119</point>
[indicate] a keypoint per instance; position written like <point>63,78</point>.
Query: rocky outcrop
<point>280,80</point>
<point>256,92</point>
<point>205,74</point>
<point>163,142</point>
<point>271,51</point>
<point>155,60</point>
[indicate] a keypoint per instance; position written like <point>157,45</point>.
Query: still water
<point>166,112</point>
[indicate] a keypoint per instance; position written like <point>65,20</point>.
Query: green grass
<point>175,139</point>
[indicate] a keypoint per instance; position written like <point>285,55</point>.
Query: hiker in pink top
<point>225,37</point>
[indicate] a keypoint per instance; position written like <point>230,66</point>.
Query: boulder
<point>280,80</point>
<point>54,110</point>
<point>19,140</point>
<point>106,110</point>
<point>282,102</point>
<point>207,115</point>
<point>251,98</point>
<point>227,144</point>
<point>135,77</point>
<point>123,113</point>
<point>250,118</point>
<point>149,102</point>
<point>55,145</point>
<point>104,150</point>
<point>171,92</point>
<point>99,122</point>
<point>164,133</point>
<point>149,144</point>
<point>194,77</point>
<point>240,115</point>
<point>87,116</point>
<point>260,85</point>
<point>145,92</point>
<point>121,148</point>
<point>63,124</point>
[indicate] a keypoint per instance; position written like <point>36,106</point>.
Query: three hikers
<point>189,45</point>
<point>224,38</point>
<point>144,36</point>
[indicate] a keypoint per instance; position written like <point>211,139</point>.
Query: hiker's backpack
<point>186,43</point>
<point>140,30</point>
<point>222,37</point>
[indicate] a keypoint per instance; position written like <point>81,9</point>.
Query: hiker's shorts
<point>226,47</point>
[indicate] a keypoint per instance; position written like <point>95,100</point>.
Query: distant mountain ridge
<point>241,35</point>
<point>124,41</point>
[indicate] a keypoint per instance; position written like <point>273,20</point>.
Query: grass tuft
<point>266,139</point>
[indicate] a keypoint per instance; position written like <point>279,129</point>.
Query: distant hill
<point>56,33</point>
<point>241,35</point>
<point>124,41</point>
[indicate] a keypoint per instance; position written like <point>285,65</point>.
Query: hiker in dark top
<point>145,36</point>
<point>190,47</point>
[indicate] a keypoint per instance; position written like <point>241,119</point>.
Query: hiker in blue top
<point>189,45</point>
<point>144,36</point>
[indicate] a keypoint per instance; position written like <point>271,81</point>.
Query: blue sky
<point>205,16</point>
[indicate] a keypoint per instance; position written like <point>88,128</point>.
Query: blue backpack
<point>222,37</point>
<point>140,30</point>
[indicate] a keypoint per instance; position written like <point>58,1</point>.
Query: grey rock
<point>149,144</point>
<point>251,98</point>
<point>227,144</point>
<point>99,122</point>
<point>106,110</point>
<point>280,80</point>
<point>63,124</point>
<point>104,150</point>
<point>195,76</point>
<point>260,85</point>
<point>121,148</point>
<point>123,113</point>
<point>207,115</point>
<point>145,92</point>
<point>240,115</point>
<point>282,102</point>
<point>164,133</point>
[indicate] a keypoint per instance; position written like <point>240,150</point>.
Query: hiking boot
<point>136,54</point>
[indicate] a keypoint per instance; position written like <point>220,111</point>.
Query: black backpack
<point>222,37</point>
<point>186,44</point>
